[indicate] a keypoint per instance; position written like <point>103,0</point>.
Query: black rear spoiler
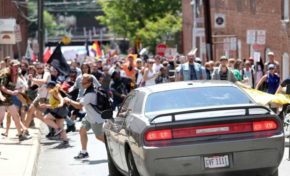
<point>207,109</point>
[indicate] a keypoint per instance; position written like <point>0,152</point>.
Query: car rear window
<point>195,97</point>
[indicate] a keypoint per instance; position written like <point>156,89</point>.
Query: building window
<point>239,5</point>
<point>285,67</point>
<point>266,55</point>
<point>285,10</point>
<point>253,6</point>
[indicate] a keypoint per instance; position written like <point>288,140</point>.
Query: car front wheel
<point>131,165</point>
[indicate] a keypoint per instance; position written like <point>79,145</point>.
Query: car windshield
<point>194,98</point>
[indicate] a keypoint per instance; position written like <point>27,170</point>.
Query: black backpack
<point>103,104</point>
<point>104,101</point>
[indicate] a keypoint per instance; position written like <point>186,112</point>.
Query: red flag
<point>33,57</point>
<point>46,55</point>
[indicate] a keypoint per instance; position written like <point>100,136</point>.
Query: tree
<point>148,20</point>
<point>48,20</point>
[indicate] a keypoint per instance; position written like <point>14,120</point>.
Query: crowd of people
<point>36,90</point>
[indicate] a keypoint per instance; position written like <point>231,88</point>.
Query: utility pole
<point>40,29</point>
<point>207,25</point>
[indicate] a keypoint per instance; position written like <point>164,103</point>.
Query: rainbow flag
<point>96,49</point>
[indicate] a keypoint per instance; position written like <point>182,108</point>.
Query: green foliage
<point>48,20</point>
<point>149,20</point>
<point>49,23</point>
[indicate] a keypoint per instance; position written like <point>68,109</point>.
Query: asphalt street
<point>57,161</point>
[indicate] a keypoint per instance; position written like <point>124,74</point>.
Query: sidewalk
<point>19,158</point>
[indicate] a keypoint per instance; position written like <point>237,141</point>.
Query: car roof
<point>184,84</point>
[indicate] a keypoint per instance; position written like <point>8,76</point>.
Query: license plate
<point>216,162</point>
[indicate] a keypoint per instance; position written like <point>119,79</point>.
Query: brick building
<point>16,10</point>
<point>244,28</point>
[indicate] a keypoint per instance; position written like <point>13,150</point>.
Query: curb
<point>32,162</point>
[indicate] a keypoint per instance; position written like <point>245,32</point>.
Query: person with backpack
<point>92,120</point>
<point>271,79</point>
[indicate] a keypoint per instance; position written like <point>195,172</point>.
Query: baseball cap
<point>51,84</point>
<point>271,66</point>
<point>198,60</point>
<point>270,53</point>
<point>138,60</point>
<point>223,58</point>
<point>14,62</point>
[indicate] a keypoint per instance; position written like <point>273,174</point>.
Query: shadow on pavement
<point>94,162</point>
<point>49,143</point>
<point>16,143</point>
<point>62,146</point>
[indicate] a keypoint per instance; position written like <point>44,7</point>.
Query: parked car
<point>193,128</point>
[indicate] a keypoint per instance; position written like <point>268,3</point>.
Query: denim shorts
<point>16,101</point>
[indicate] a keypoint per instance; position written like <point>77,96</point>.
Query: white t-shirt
<point>92,116</point>
<point>21,84</point>
<point>42,89</point>
<point>248,77</point>
<point>156,67</point>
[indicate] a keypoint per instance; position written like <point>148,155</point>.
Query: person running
<point>8,83</point>
<point>56,111</point>
<point>42,78</point>
<point>92,120</point>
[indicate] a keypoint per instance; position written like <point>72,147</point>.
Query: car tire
<point>113,171</point>
<point>132,169</point>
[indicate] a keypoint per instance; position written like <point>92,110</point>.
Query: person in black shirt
<point>97,71</point>
<point>119,89</point>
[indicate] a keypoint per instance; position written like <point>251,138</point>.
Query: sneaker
<point>71,128</point>
<point>81,156</point>
<point>4,134</point>
<point>58,131</point>
<point>65,143</point>
<point>49,135</point>
<point>26,133</point>
<point>22,137</point>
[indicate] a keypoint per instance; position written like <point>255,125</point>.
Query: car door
<point>117,126</point>
<point>124,133</point>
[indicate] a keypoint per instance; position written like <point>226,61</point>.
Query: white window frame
<point>285,66</point>
<point>285,10</point>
